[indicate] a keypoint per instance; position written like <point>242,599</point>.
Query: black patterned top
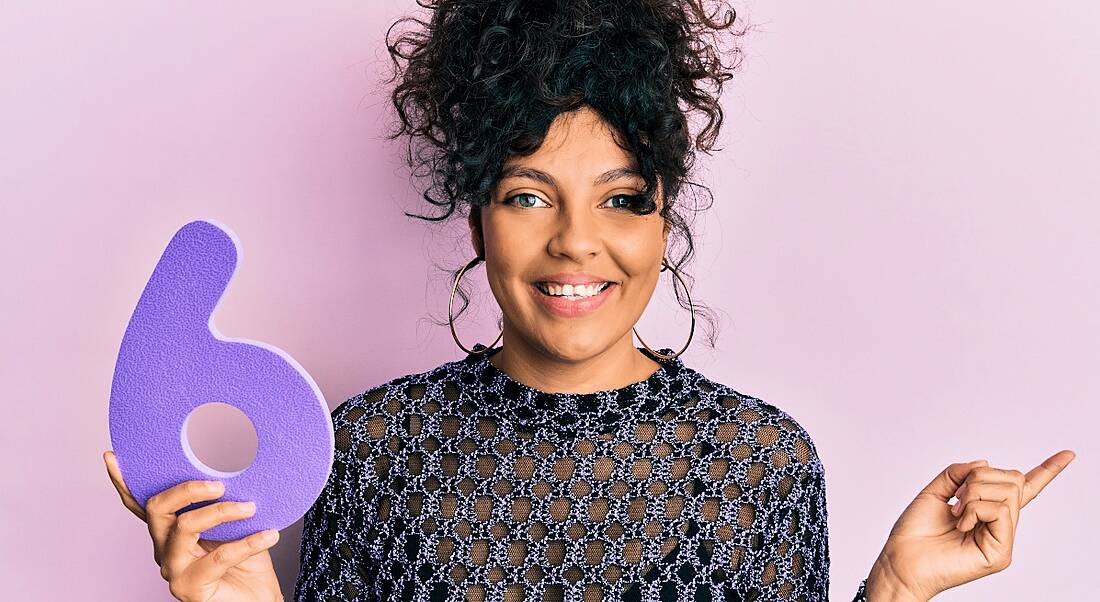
<point>461,483</point>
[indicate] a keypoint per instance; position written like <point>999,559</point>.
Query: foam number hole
<point>220,439</point>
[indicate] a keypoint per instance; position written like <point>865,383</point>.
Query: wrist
<point>883,585</point>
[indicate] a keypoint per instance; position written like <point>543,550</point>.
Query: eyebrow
<point>517,171</point>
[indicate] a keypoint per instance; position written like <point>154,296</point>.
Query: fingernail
<point>269,536</point>
<point>955,508</point>
<point>247,506</point>
<point>213,485</point>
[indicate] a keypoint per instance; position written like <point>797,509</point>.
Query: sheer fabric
<point>461,483</point>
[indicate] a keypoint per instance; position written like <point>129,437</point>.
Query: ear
<point>475,231</point>
<point>664,239</point>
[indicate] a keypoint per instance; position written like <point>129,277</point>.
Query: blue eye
<point>512,200</point>
<point>630,201</point>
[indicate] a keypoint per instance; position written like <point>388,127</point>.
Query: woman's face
<point>562,215</point>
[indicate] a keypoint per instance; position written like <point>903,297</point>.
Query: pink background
<point>903,245</point>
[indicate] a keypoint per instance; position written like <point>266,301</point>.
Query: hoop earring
<point>664,266</point>
<point>450,312</point>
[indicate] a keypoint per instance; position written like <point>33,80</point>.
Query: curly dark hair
<point>482,80</point>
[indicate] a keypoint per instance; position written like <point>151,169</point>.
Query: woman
<point>566,463</point>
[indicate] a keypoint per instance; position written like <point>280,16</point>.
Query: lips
<point>571,308</point>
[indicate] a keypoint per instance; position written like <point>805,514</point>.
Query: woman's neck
<point>618,366</point>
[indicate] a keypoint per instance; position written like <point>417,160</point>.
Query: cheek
<point>639,255</point>
<point>640,259</point>
<point>642,286</point>
<point>509,257</point>
<point>502,245</point>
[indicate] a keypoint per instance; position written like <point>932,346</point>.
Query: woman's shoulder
<point>769,430</point>
<point>393,397</point>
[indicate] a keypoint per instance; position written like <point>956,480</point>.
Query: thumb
<point>944,486</point>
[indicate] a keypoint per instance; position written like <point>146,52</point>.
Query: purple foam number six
<point>172,360</point>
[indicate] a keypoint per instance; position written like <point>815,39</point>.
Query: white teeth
<point>576,291</point>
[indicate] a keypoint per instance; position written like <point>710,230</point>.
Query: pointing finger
<point>1039,477</point>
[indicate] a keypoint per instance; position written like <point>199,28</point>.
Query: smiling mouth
<point>572,292</point>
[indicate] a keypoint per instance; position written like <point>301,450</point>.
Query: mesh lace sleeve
<point>792,561</point>
<point>332,566</point>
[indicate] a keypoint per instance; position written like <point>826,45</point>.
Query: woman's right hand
<point>202,570</point>
<point>934,546</point>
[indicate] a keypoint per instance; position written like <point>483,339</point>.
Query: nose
<point>576,236</point>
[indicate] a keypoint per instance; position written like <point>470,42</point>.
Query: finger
<point>970,492</point>
<point>989,474</point>
<point>162,507</point>
<point>214,565</point>
<point>1039,477</point>
<point>992,474</point>
<point>997,520</point>
<point>190,525</point>
<point>115,473</point>
<point>948,482</point>
<point>193,522</point>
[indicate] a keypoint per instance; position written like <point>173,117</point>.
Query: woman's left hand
<point>934,546</point>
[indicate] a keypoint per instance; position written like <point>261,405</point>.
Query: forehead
<point>578,143</point>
